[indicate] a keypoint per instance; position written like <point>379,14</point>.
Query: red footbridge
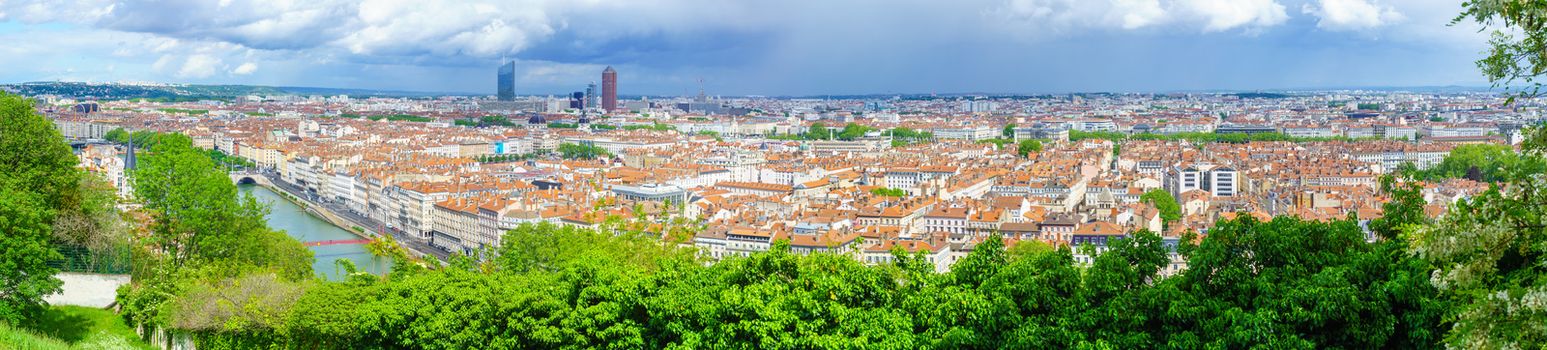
<point>337,242</point>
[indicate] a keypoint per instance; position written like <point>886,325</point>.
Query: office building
<point>507,82</point>
<point>609,89</point>
<point>1217,181</point>
<point>591,98</point>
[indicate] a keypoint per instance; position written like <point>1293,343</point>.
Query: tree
<point>1488,253</point>
<point>1027,147</point>
<point>818,131</point>
<point>116,135</point>
<point>39,181</point>
<point>1170,211</point>
<point>1008,132</point>
<point>34,155</point>
<point>95,227</point>
<point>25,276</point>
<point>1511,58</point>
<point>579,151</point>
<point>889,192</point>
<point>1482,162</point>
<point>200,217</point>
<point>852,131</point>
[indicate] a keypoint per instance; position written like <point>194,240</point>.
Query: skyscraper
<point>592,100</point>
<point>609,89</point>
<point>507,82</point>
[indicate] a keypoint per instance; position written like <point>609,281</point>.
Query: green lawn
<point>12,338</point>
<point>72,327</point>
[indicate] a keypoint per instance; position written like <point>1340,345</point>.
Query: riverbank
<point>344,222</point>
<point>324,213</point>
<point>293,218</point>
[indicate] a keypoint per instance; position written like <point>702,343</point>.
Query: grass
<point>72,327</point>
<point>12,338</point>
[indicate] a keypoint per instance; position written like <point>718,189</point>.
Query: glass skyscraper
<point>507,82</point>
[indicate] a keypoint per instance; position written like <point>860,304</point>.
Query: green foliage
<point>210,264</point>
<point>905,136</point>
<point>1517,51</point>
<point>75,327</point>
<point>558,125</point>
<point>184,111</point>
<point>1481,162</point>
<point>484,121</point>
<point>228,162</point>
<point>1170,211</point>
<point>1198,137</point>
<point>853,131</point>
<point>142,138</point>
<point>654,126</point>
<point>1369,106</point>
<point>889,192</point>
<point>401,118</point>
<point>997,142</point>
<point>509,157</point>
<point>580,151</point>
<point>1028,249</point>
<point>1008,132</point>
<point>200,216</point>
<point>258,114</point>
<point>116,135</point>
<point>1487,251</point>
<point>818,131</point>
<point>25,276</point>
<point>1285,283</point>
<point>92,236</point>
<point>495,120</point>
<point>40,180</point>
<point>1027,147</point>
<point>17,338</point>
<point>34,155</point>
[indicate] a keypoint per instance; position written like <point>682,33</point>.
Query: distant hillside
<point>181,92</point>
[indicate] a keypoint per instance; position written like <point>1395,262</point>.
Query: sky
<point>747,47</point>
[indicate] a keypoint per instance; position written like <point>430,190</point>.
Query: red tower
<point>609,89</point>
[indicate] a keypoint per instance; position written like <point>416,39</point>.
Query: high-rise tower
<point>609,89</point>
<point>592,100</point>
<point>507,82</point>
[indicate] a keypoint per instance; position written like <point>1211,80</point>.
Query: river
<point>305,227</point>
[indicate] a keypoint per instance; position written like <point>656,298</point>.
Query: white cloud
<point>1210,15</point>
<point>1140,13</point>
<point>199,66</point>
<point>162,63</point>
<point>245,69</point>
<point>1221,15</point>
<point>1351,14</point>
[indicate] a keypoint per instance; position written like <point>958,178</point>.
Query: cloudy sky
<point>741,47</point>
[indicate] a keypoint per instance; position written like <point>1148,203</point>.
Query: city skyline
<point>793,49</point>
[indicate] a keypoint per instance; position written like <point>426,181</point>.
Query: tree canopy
<point>1170,211</point>
<point>40,181</point>
<point>582,151</point>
